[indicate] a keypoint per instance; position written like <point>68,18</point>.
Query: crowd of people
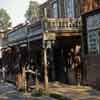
<point>12,61</point>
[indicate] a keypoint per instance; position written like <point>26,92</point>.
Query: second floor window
<point>54,10</point>
<point>69,8</point>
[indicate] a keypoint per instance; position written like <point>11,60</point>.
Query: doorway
<point>62,47</point>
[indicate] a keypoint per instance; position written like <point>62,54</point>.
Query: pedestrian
<point>71,62</point>
<point>3,73</point>
<point>77,64</point>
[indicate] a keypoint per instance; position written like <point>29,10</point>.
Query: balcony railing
<point>63,24</point>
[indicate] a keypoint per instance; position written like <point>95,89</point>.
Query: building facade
<point>58,32</point>
<point>91,47</point>
<point>72,8</point>
<point>63,8</point>
<point>69,8</point>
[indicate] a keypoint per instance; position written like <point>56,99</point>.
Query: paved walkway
<point>9,92</point>
<point>75,92</point>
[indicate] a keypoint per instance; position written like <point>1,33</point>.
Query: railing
<point>63,24</point>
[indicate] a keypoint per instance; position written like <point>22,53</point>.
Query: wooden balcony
<point>52,26</point>
<point>65,25</point>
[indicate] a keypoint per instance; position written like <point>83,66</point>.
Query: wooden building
<point>56,32</point>
<point>91,47</point>
<point>62,8</point>
<point>89,5</point>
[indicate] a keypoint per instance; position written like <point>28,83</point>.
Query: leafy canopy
<point>4,20</point>
<point>32,11</point>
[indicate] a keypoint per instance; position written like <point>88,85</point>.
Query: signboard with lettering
<point>49,36</point>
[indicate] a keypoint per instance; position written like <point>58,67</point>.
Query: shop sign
<point>49,36</point>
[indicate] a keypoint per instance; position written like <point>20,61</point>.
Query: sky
<point>16,9</point>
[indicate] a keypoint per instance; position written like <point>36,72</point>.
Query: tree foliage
<point>32,11</point>
<point>4,20</point>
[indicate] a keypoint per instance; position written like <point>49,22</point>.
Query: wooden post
<point>37,81</point>
<point>45,69</point>
<point>24,78</point>
<point>45,51</point>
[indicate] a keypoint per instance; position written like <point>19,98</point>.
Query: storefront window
<point>92,42</point>
<point>93,33</point>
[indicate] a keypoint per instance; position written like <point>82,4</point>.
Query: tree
<point>4,20</point>
<point>32,13</point>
